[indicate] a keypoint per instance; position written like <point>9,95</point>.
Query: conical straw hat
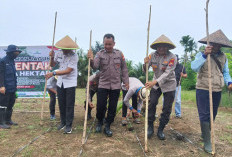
<point>162,40</point>
<point>217,37</point>
<point>66,43</point>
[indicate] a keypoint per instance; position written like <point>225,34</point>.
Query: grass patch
<point>226,137</point>
<point>18,106</point>
<point>226,100</point>
<point>188,95</point>
<point>3,134</point>
<point>27,152</point>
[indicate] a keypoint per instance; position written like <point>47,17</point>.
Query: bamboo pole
<point>146,111</point>
<point>210,82</point>
<point>87,95</point>
<point>45,86</point>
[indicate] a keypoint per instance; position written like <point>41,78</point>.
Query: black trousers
<point>134,103</point>
<point>8,100</point>
<point>102,96</point>
<point>52,102</point>
<point>66,99</point>
<point>167,105</point>
<point>91,98</point>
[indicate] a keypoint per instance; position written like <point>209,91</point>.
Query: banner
<point>31,66</point>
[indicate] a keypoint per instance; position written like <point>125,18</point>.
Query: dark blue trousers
<point>203,106</point>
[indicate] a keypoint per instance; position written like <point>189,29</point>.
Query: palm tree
<point>189,46</point>
<point>99,46</point>
<point>82,68</point>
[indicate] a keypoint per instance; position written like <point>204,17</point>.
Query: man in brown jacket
<point>113,69</point>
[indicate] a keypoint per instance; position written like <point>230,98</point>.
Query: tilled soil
<point>182,135</point>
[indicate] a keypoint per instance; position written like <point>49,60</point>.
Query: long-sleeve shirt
<point>164,70</point>
<point>93,84</point>
<point>199,61</point>
<point>134,84</point>
<point>112,68</point>
<point>51,83</point>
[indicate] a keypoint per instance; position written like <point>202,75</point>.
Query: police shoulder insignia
<point>171,62</point>
<point>123,57</point>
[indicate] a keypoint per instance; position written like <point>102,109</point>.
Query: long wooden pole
<point>210,82</point>
<point>146,112</point>
<point>87,95</point>
<point>45,86</point>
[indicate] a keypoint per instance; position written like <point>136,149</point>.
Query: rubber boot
<point>107,130</point>
<point>160,132</point>
<point>99,127</point>
<point>2,119</point>
<point>150,130</point>
<point>8,118</point>
<point>205,129</point>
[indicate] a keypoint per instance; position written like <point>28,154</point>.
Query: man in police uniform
<point>136,92</point>
<point>67,80</point>
<point>112,65</point>
<point>8,86</point>
<point>220,77</point>
<point>163,63</point>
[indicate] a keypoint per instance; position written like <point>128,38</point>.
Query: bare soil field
<point>182,135</point>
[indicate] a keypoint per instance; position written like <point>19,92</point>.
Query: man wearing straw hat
<point>8,86</point>
<point>113,69</point>
<point>163,63</point>
<point>93,86</point>
<point>220,76</point>
<point>67,80</point>
<point>137,92</point>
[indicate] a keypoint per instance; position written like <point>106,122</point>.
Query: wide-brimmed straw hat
<point>142,93</point>
<point>217,37</point>
<point>66,43</point>
<point>162,40</point>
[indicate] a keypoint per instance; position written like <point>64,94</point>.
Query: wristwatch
<point>54,73</point>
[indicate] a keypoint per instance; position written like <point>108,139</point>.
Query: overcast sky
<point>30,22</point>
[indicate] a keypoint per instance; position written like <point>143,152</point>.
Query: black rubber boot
<point>99,127</point>
<point>107,130</point>
<point>205,129</point>
<point>8,118</point>
<point>150,130</point>
<point>160,132</point>
<point>2,119</point>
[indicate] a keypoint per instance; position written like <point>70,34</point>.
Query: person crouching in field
<point>52,90</point>
<point>67,80</point>
<point>219,69</point>
<point>8,86</point>
<point>163,63</point>
<point>93,86</point>
<point>137,92</point>
<point>113,69</point>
